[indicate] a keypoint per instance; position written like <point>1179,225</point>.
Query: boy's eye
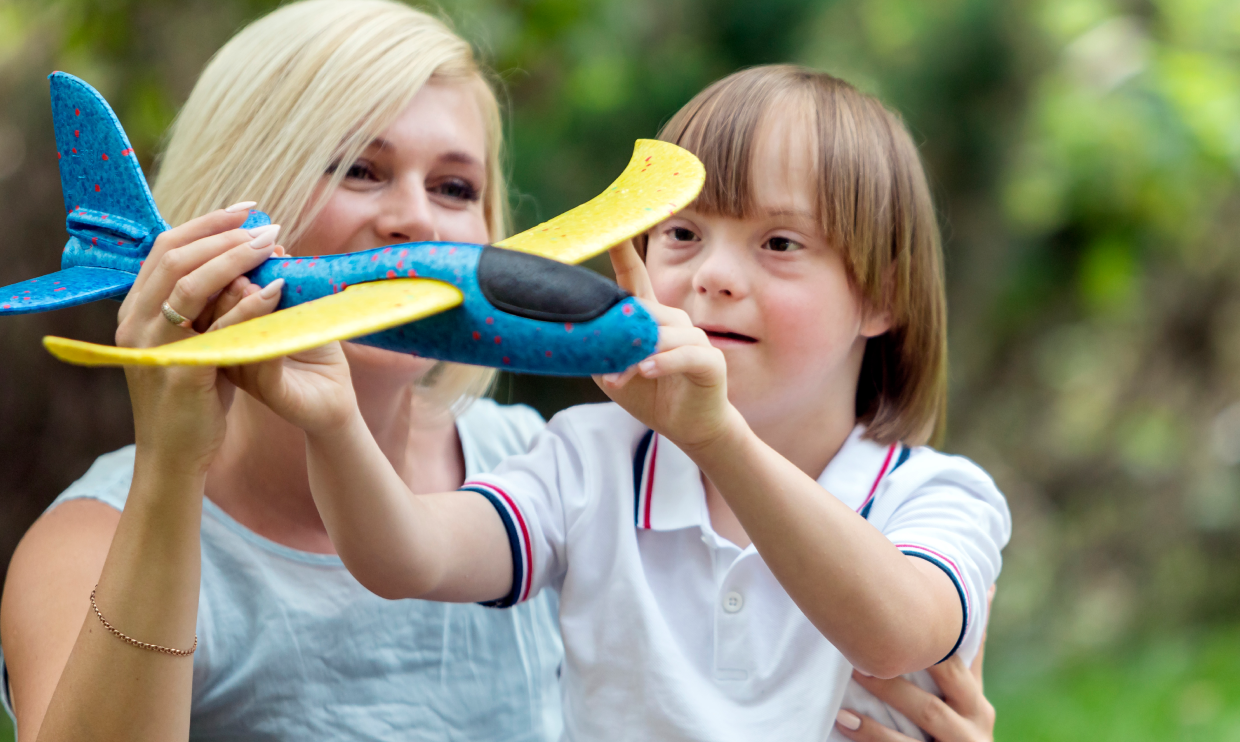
<point>783,244</point>
<point>681,234</point>
<point>458,189</point>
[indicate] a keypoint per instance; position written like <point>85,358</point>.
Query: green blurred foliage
<point>1085,157</point>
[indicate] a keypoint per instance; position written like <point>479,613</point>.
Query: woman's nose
<point>407,215</point>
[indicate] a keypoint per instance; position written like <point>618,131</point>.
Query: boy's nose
<point>720,275</point>
<point>407,215</point>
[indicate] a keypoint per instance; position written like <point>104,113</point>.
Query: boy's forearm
<point>400,545</point>
<point>889,614</point>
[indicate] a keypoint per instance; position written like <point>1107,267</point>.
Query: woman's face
<point>421,179</point>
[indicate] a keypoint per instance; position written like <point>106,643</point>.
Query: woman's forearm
<point>449,546</point>
<point>887,613</point>
<point>148,590</point>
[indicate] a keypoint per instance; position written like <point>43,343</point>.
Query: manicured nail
<point>240,206</point>
<point>848,720</point>
<point>264,236</point>
<point>279,251</point>
<point>272,290</point>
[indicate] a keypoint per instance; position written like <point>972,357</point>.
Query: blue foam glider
<point>519,304</point>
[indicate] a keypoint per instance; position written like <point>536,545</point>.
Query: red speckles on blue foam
<point>506,360</point>
<point>413,273</point>
<point>7,306</point>
<point>96,188</point>
<point>568,326</point>
<point>628,309</point>
<point>452,251</point>
<point>391,274</point>
<point>400,265</point>
<point>94,240</point>
<point>404,253</point>
<point>477,335</point>
<point>434,250</point>
<point>105,158</point>
<point>637,343</point>
<point>374,258</point>
<point>497,339</point>
<point>548,354</point>
<point>77,112</point>
<point>490,320</point>
<point>77,133</point>
<point>74,150</point>
<point>387,250</point>
<point>62,288</point>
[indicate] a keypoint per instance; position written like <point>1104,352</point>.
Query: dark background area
<point>1085,157</point>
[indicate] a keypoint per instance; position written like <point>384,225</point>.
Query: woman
<point>356,124</point>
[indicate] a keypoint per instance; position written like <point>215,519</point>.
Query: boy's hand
<point>682,390</point>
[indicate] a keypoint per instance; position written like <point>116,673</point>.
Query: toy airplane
<point>515,305</point>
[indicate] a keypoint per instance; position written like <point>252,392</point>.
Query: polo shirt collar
<point>668,485</point>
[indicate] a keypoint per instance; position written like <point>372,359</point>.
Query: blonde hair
<point>306,86</point>
<point>873,204</point>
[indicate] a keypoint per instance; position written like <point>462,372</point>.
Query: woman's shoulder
<point>107,480</point>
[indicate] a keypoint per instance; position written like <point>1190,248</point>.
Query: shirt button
<point>733,602</point>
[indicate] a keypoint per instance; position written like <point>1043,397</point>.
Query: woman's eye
<point>458,189</point>
<point>360,171</point>
<point>783,244</point>
<point>681,234</point>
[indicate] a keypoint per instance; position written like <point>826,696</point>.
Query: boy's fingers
<point>666,316</point>
<point>694,361</point>
<point>630,270</point>
<point>671,338</point>
<point>865,729</point>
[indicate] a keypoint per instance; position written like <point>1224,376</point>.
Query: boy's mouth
<point>720,338</point>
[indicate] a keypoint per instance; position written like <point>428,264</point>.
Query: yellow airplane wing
<point>358,310</point>
<point>660,180</point>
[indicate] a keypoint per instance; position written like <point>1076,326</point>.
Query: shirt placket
<point>732,649</point>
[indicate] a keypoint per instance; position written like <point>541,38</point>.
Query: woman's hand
<point>198,269</point>
<point>963,714</point>
<point>682,390</point>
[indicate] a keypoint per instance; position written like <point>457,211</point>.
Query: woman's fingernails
<point>264,236</point>
<point>848,720</point>
<point>272,290</point>
<point>240,206</point>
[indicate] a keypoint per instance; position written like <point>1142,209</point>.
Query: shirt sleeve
<point>538,496</point>
<point>947,511</point>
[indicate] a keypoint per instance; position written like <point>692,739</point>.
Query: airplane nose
<point>538,288</point>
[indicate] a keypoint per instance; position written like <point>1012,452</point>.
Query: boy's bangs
<point>720,127</point>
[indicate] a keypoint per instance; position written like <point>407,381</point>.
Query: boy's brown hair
<point>874,205</point>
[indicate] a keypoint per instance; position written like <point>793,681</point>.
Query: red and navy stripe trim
<point>518,541</point>
<point>643,478</point>
<point>886,469</point>
<point>957,577</point>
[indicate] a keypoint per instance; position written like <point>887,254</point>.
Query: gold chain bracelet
<point>135,642</point>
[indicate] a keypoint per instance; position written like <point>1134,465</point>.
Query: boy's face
<point>770,291</point>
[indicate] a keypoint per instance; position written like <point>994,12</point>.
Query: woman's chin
<point>367,361</point>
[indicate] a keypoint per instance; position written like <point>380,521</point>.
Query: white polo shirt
<point>671,631</point>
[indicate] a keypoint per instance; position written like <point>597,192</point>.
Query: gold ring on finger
<point>173,315</point>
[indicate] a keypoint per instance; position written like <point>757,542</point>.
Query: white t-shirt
<point>671,631</point>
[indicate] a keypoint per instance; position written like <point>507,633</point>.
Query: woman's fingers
<point>256,303</point>
<point>865,729</point>
<point>631,271</point>
<point>188,277</point>
<point>196,229</point>
<point>927,711</point>
<point>960,688</point>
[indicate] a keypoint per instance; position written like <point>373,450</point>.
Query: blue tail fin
<point>112,218</point>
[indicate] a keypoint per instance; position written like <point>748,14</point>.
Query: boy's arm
<point>888,613</point>
<point>449,546</point>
